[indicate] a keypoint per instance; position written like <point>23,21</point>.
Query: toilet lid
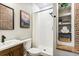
<point>34,50</point>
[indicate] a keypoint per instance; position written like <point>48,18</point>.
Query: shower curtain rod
<point>43,10</point>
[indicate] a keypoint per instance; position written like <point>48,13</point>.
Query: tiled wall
<point>76,20</point>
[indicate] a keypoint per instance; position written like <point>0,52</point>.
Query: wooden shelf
<point>64,19</point>
<point>66,14</point>
<point>65,24</point>
<point>64,33</point>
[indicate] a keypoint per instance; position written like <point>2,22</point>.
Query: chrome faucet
<point>3,37</point>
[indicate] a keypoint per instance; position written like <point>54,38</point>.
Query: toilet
<point>31,51</point>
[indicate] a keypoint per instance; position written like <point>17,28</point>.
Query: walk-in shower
<point>43,28</point>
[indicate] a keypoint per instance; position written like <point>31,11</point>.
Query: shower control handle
<point>54,16</point>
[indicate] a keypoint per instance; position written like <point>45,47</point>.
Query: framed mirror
<point>6,17</point>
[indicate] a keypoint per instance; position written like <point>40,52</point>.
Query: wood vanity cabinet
<point>13,51</point>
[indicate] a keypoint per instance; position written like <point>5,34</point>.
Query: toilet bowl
<point>34,51</point>
<point>31,51</point>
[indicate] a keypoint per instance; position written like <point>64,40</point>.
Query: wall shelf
<point>64,15</point>
<point>64,33</point>
<point>64,21</point>
<point>65,24</point>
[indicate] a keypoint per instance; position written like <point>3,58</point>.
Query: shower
<point>43,24</point>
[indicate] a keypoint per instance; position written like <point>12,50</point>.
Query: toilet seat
<point>34,50</point>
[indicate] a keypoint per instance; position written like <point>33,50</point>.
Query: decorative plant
<point>64,5</point>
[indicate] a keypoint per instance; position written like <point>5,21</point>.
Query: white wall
<point>18,32</point>
<point>55,28</point>
<point>34,18</point>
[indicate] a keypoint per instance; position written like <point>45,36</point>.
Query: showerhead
<point>51,13</point>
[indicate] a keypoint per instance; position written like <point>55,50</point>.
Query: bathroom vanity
<point>13,51</point>
<point>13,47</point>
<point>68,26</point>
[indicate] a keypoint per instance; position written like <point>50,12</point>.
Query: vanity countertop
<point>12,43</point>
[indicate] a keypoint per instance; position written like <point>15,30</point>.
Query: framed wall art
<point>6,17</point>
<point>24,19</point>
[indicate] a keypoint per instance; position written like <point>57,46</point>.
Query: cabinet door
<point>14,51</point>
<point>17,50</point>
<point>5,52</point>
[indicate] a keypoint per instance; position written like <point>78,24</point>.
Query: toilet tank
<point>27,44</point>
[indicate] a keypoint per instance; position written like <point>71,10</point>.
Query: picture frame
<point>24,19</point>
<point>6,17</point>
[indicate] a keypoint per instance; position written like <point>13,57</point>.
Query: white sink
<point>8,44</point>
<point>11,42</point>
<point>1,44</point>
